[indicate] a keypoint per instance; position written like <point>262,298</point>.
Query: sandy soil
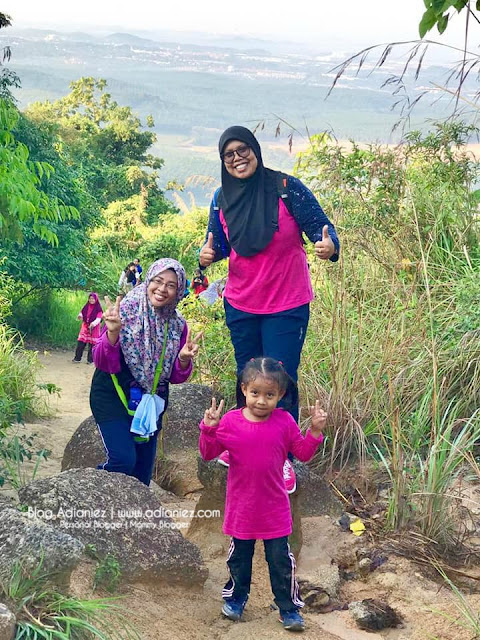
<point>171,613</point>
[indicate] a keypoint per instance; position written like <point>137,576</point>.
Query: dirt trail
<point>179,613</point>
<point>67,410</point>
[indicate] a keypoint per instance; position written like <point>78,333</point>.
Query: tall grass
<point>44,612</point>
<point>19,397</point>
<point>50,318</point>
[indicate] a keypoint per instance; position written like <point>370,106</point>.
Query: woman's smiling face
<point>240,167</point>
<point>162,289</point>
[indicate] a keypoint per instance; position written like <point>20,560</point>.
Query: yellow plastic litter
<point>357,527</point>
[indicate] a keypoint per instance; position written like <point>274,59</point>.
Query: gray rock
<point>374,615</point>
<point>318,499</point>
<point>85,448</point>
<point>7,623</point>
<point>187,404</point>
<point>315,598</point>
<point>121,516</point>
<point>6,501</point>
<point>186,407</point>
<point>30,539</point>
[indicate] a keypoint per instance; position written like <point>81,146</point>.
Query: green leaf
<point>442,23</point>
<point>427,22</point>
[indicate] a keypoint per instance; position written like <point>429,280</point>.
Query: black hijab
<point>250,205</point>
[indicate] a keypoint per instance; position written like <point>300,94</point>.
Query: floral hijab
<point>143,328</point>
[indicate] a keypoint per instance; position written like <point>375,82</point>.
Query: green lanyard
<point>158,371</point>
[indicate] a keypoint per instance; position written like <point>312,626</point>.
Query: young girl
<point>91,317</point>
<point>258,437</point>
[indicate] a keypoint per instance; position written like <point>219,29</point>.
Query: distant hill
<point>195,89</point>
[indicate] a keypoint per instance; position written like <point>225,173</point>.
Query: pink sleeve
<point>106,356</point>
<point>208,444</point>
<point>303,448</point>
<point>178,374</point>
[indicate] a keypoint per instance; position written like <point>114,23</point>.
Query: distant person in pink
<point>258,438</point>
<point>91,317</point>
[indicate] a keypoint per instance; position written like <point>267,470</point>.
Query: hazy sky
<point>331,21</point>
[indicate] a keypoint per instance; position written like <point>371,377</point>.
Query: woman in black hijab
<point>257,219</point>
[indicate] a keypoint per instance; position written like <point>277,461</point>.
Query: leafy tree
<point>22,202</point>
<point>8,78</point>
<point>107,140</point>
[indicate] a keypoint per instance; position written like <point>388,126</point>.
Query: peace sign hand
<point>212,415</point>
<point>189,349</point>
<point>324,248</point>
<point>319,420</point>
<point>111,316</point>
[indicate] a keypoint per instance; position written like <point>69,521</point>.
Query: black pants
<point>281,566</point>
<point>274,335</point>
<point>79,351</point>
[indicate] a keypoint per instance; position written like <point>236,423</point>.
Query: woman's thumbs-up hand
<point>324,248</point>
<point>207,252</point>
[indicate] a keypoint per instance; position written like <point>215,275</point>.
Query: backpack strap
<point>217,205</point>
<point>282,190</point>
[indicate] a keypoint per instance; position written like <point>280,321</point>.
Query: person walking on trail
<point>256,220</point>
<point>145,345</point>
<point>138,267</point>
<point>257,506</point>
<point>91,317</point>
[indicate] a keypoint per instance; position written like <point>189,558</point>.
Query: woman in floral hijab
<point>145,345</point>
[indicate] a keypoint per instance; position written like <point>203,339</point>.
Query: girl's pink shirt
<point>274,280</point>
<point>257,504</point>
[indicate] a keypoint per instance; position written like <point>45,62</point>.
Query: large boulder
<point>318,499</point>
<point>122,517</point>
<point>85,447</point>
<point>213,477</point>
<point>186,408</point>
<point>30,539</point>
<point>177,473</point>
<point>7,623</point>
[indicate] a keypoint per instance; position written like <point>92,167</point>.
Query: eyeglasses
<point>171,286</point>
<point>229,157</point>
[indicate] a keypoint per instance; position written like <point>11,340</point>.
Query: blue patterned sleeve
<point>309,215</point>
<point>220,241</point>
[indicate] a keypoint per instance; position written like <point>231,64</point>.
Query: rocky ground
<point>174,612</point>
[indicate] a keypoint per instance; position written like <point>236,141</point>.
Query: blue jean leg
<point>246,336</point>
<point>283,335</point>
<point>124,455</point>
<point>274,335</point>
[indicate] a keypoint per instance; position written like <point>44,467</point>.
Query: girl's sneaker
<point>224,459</point>
<point>233,609</point>
<point>289,476</point>
<point>292,620</point>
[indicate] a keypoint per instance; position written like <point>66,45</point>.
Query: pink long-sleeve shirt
<point>257,504</point>
<point>274,280</point>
